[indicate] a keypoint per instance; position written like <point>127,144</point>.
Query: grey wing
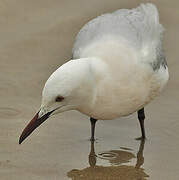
<point>139,26</point>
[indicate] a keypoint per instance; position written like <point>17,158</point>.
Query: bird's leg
<point>141,117</point>
<point>93,122</point>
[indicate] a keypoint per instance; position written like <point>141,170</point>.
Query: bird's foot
<point>93,139</point>
<point>140,138</point>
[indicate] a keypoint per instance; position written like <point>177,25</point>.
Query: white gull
<point>118,67</point>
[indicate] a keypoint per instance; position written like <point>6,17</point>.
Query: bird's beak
<point>33,124</point>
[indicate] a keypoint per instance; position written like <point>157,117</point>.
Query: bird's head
<point>70,87</point>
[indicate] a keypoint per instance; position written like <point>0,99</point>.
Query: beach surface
<point>36,37</point>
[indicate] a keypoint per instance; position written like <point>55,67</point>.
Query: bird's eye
<point>59,98</point>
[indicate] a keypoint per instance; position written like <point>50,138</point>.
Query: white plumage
<point>119,66</point>
<point>128,43</point>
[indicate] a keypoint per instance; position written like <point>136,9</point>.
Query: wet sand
<point>35,38</point>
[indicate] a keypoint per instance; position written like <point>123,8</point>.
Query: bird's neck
<point>93,71</point>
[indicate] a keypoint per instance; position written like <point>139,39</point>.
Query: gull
<point>118,67</point>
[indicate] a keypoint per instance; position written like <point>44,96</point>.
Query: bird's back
<point>139,27</point>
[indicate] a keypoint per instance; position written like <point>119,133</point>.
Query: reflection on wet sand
<point>117,170</point>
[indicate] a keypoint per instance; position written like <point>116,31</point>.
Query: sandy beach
<point>36,37</point>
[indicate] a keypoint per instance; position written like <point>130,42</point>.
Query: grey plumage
<point>160,60</point>
<point>139,27</point>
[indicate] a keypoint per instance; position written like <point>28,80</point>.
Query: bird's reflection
<point>117,171</point>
